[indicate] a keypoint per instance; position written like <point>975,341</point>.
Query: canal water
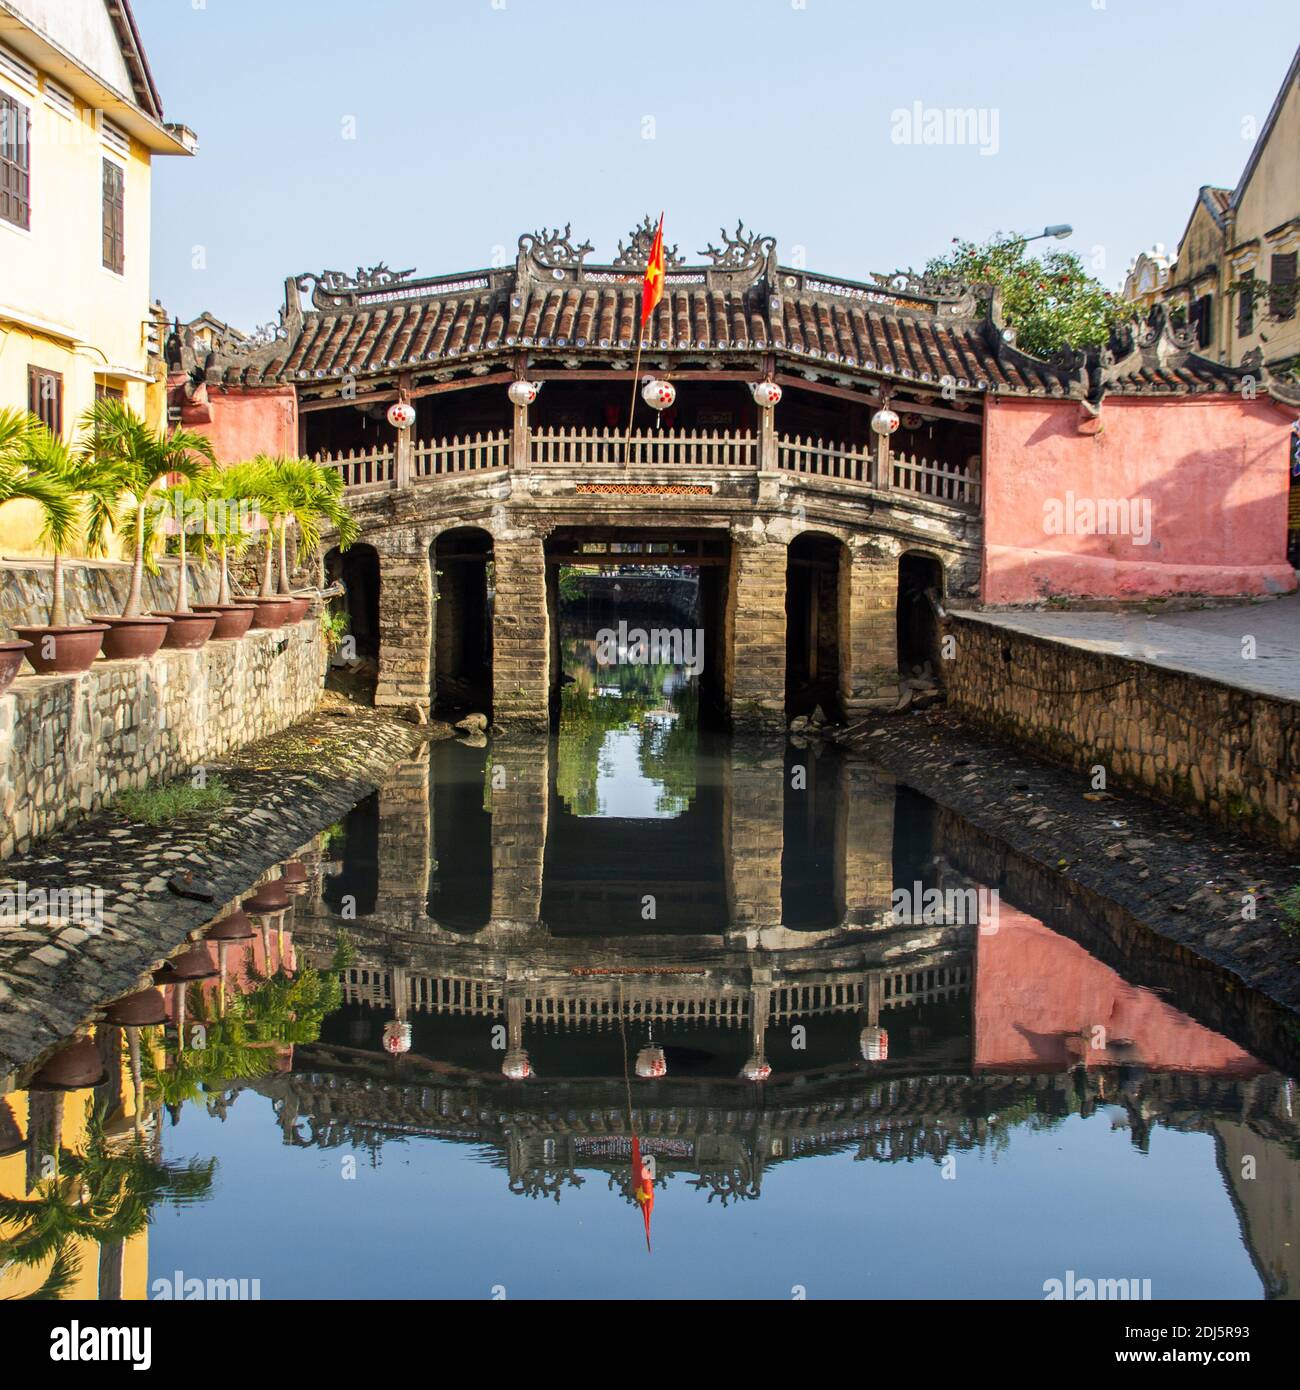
<point>856,1050</point>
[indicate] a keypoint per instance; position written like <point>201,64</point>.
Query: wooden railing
<point>674,450</point>
<point>439,458</point>
<point>368,471</point>
<point>822,460</point>
<point>939,481</point>
<point>644,449</point>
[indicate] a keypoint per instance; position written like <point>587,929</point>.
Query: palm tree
<point>239,482</point>
<point>310,496</point>
<point>142,456</point>
<point>19,482</point>
<point>93,488</point>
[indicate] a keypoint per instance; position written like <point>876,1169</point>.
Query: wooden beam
<point>798,383</point>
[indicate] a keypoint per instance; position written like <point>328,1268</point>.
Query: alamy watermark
<point>660,646</point>
<point>919,124</point>
<point>950,906</point>
<point>80,905</point>
<point>1098,516</point>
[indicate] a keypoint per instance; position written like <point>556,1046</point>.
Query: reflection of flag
<point>642,1187</point>
<point>1295,450</point>
<point>652,288</point>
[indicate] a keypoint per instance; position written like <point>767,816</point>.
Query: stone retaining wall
<point>1229,753</point>
<point>70,744</point>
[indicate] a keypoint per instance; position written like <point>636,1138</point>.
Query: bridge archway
<point>814,622</point>
<point>462,561</point>
<point>920,587</point>
<point>356,661</point>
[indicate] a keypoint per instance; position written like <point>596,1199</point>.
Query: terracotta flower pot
<point>11,658</point>
<point>270,897</point>
<point>233,619</point>
<point>143,1009</point>
<point>71,1068</point>
<point>75,648</point>
<point>271,612</point>
<point>298,606</point>
<point>130,639</point>
<point>192,964</point>
<point>189,630</point>
<point>234,926</point>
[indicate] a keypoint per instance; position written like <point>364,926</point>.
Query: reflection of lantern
<point>658,395</point>
<point>651,1062</point>
<point>516,1066</point>
<point>766,394</point>
<point>874,1042</point>
<point>756,1069</point>
<point>401,415</point>
<point>884,421</point>
<point>522,392</point>
<point>397,1037</point>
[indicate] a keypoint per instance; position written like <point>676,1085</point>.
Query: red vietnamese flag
<point>652,288</point>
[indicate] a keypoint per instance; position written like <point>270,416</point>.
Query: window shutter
<point>1281,286</point>
<point>15,161</point>
<point>114,216</point>
<point>1245,306</point>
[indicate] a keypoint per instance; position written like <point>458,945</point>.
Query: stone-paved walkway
<point>1203,642</point>
<point>1180,878</point>
<point>285,789</point>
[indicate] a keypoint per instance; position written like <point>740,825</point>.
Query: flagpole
<point>636,372</point>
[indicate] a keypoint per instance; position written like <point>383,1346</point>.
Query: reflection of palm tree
<point>105,1194</point>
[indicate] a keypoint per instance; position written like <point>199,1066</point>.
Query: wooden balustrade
<point>644,448</point>
<point>443,457</point>
<point>676,450</point>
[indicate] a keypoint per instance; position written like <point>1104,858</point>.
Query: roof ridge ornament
<point>743,251</point>
<point>553,249</point>
<point>636,254</point>
<point>340,283</point>
<point>921,283</point>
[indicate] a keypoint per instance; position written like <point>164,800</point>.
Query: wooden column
<point>520,448</point>
<point>403,468</point>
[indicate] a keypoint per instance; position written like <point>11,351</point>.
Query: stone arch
<point>922,579</point>
<point>462,562</point>
<point>814,623</point>
<point>357,570</point>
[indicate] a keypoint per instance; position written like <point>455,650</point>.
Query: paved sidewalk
<point>1206,642</point>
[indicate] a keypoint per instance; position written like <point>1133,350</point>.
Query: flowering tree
<point>1050,300</point>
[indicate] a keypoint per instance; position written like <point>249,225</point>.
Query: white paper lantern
<point>516,1066</point>
<point>401,415</point>
<point>658,395</point>
<point>651,1063</point>
<point>766,393</point>
<point>522,392</point>
<point>873,1042</point>
<point>884,421</point>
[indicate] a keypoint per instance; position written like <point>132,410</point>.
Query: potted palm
<point>17,483</point>
<point>143,458</point>
<point>231,530</point>
<point>273,609</point>
<point>311,497</point>
<point>91,487</point>
<point>190,627</point>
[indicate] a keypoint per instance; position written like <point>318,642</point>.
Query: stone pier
<point>521,644</point>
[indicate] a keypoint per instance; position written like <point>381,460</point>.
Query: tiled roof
<point>551,304</point>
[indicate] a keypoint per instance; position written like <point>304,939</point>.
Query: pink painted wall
<point>1038,996</point>
<point>1214,471</point>
<point>242,423</point>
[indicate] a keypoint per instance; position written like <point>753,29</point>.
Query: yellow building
<point>80,125</point>
<point>1234,278</point>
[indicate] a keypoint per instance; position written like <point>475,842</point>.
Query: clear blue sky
<point>476,120</point>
